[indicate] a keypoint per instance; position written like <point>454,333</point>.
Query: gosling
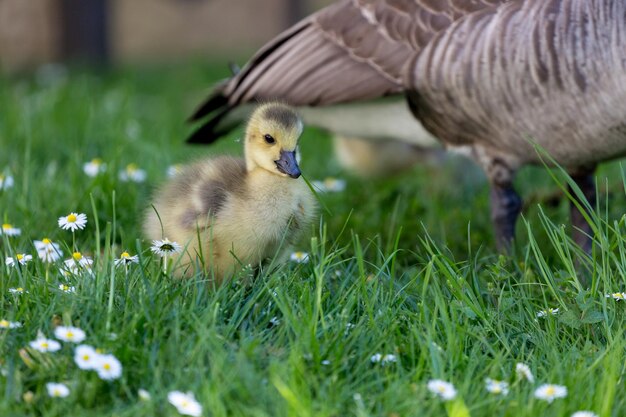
<point>231,212</point>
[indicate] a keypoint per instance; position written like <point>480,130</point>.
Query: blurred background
<point>36,32</point>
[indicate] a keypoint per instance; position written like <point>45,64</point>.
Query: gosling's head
<point>272,138</point>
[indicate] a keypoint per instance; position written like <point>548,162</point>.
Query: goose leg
<point>581,230</point>
<point>506,205</point>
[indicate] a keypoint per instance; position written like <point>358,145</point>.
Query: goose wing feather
<point>351,50</point>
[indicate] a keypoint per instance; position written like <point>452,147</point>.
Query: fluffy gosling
<point>232,212</point>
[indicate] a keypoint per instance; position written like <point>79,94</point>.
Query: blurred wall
<point>29,33</point>
<point>155,30</point>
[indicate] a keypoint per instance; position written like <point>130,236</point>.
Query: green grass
<point>405,266</point>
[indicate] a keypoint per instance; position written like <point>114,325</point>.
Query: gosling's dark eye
<point>269,139</point>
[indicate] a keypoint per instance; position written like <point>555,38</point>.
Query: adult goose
<point>491,77</point>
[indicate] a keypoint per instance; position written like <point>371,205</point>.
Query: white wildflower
<point>57,390</point>
<point>496,387</point>
<point>549,392</point>
<point>6,182</point>
<point>45,345</point>
<point>523,371</point>
<point>126,259</point>
<point>20,258</point>
<point>165,247</point>
<point>5,324</point>
<point>132,173</point>
<point>67,289</point>
<point>18,291</point>
<point>73,221</point>
<point>143,395</point>
<point>548,312</point>
<point>86,357</point>
<point>108,367</point>
<point>617,296</point>
<point>94,167</point>
<point>69,334</point>
<point>47,250</point>
<point>443,389</point>
<point>186,404</point>
<point>330,184</point>
<point>300,257</point>
<point>9,230</point>
<point>584,414</point>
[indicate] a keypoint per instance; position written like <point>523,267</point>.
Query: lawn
<point>403,284</point>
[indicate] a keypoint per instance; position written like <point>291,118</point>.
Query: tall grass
<point>404,266</point>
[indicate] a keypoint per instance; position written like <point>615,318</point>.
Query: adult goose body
<point>490,77</point>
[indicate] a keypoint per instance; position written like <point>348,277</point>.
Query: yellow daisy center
<point>550,390</point>
<point>19,289</point>
<point>107,366</point>
<point>86,357</point>
<point>441,389</point>
<point>6,226</point>
<point>20,256</point>
<point>96,161</point>
<point>71,218</point>
<point>132,167</point>
<point>44,345</point>
<point>77,256</point>
<point>4,323</point>
<point>46,241</point>
<point>125,255</point>
<point>65,288</point>
<point>69,335</point>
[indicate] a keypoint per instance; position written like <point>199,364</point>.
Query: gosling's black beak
<point>287,164</point>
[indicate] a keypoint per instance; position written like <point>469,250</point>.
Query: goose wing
<point>351,50</point>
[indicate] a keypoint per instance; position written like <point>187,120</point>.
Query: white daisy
<point>9,230</point>
<point>69,334</point>
<point>549,392</point>
<point>67,289</point>
<point>94,167</point>
<point>143,395</point>
<point>496,387</point>
<point>548,312</point>
<point>20,258</point>
<point>330,184</point>
<point>77,263</point>
<point>57,390</point>
<point>6,182</point>
<point>617,296</point>
<point>443,389</point>
<point>165,247</point>
<point>584,414</point>
<point>108,367</point>
<point>73,221</point>
<point>376,357</point>
<point>47,250</point>
<point>18,291</point>
<point>5,324</point>
<point>300,257</point>
<point>186,404</point>
<point>45,345</point>
<point>388,358</point>
<point>132,173</point>
<point>126,259</point>
<point>173,170</point>
<point>86,357</point>
<point>523,371</point>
